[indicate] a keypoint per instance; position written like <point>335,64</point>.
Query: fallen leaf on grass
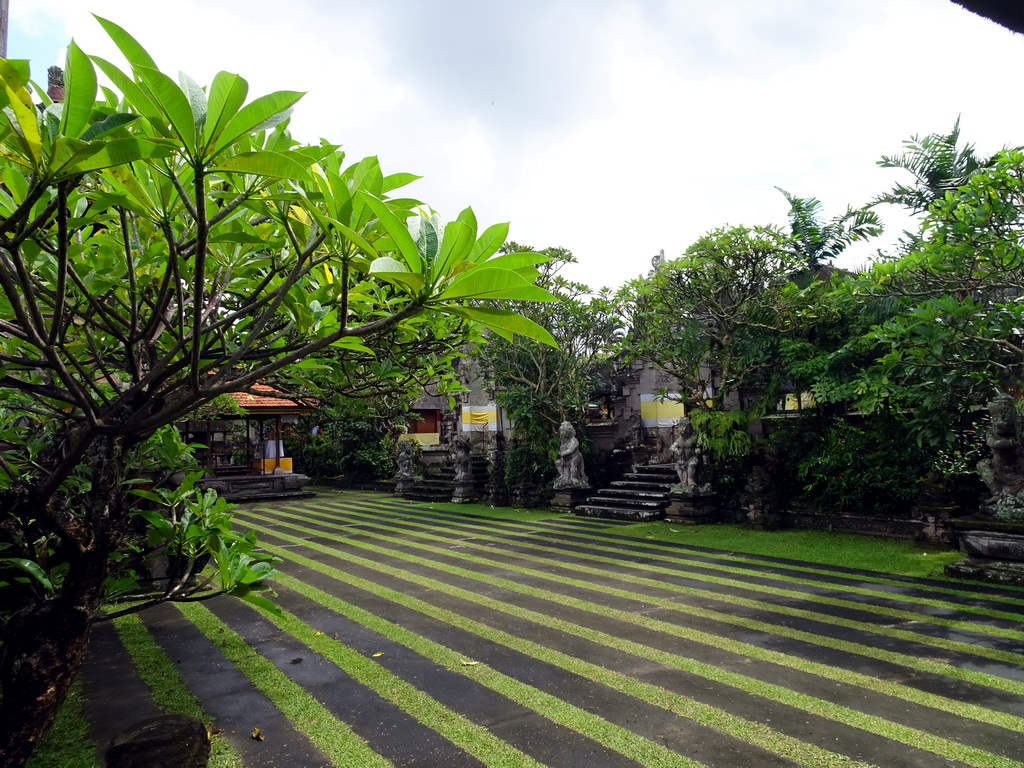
<point>257,734</point>
<point>379,653</point>
<point>469,663</point>
<point>215,731</point>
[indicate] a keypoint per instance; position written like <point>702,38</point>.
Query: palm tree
<point>817,241</point>
<point>938,165</point>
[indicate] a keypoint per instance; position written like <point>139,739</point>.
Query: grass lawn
<point>424,607</point>
<point>894,556</point>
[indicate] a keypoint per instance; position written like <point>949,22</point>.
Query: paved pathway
<point>413,637</point>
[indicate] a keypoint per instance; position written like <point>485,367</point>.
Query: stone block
<point>171,741</point>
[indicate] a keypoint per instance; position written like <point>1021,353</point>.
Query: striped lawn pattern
<point>417,637</point>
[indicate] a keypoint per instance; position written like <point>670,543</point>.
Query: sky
<point>614,128</point>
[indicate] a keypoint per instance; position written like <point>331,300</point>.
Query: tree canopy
<point>161,244</point>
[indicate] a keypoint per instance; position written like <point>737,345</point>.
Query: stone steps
<point>641,496</point>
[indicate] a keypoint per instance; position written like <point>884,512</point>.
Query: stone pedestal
<point>994,550</point>
<point>692,507</point>
<point>404,485</point>
<point>567,499</point>
<point>464,492</point>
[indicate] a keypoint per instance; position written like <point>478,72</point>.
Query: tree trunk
<point>44,643</point>
<point>43,651</point>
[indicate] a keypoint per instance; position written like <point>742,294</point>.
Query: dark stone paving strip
<point>689,577</point>
<point>932,683</point>
<point>789,720</point>
<point>108,667</point>
<point>820,627</point>
<point>551,747</point>
<point>230,697</point>
<point>387,729</point>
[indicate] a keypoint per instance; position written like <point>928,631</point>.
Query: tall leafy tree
<point>162,245</point>
<point>540,386</point>
<point>959,339</point>
<point>710,317</point>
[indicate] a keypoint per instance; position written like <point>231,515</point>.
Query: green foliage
<point>833,465</point>
<point>959,339</point>
<point>711,317</point>
<point>354,439</point>
<point>539,386</point>
<point>163,244</point>
<point>527,466</point>
<point>816,241</point>
<point>939,166</point>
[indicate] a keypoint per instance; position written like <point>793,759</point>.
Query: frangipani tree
<point>162,244</point>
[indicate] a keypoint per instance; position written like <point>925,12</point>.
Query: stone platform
<point>994,550</point>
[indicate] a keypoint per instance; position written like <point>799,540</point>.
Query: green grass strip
<point>329,734</point>
<point>754,733</point>
<point>830,710</point>
<point>631,570</point>
<point>608,542</point>
<point>170,694</point>
<point>905,660</point>
<point>67,743</point>
<point>460,730</point>
<point>900,634</point>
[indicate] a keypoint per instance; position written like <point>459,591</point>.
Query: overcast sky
<point>614,128</point>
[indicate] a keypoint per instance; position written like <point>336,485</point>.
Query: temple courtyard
<point>413,635</point>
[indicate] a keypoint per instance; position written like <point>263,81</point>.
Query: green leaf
<point>396,180</point>
<point>504,322</point>
<point>455,247</point>
<point>79,91</point>
<point>395,228</point>
<point>133,93</point>
<point>249,117</point>
<point>227,95</point>
<point>108,125</point>
<point>67,151</point>
<point>274,164</point>
<point>173,104</point>
<point>490,241</point>
<point>196,99</point>
<point>119,152</point>
<point>258,601</point>
<point>394,271</point>
<point>29,567</point>
<point>483,283</point>
<point>128,45</point>
<point>25,122</point>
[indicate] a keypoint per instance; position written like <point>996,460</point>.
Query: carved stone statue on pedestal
<point>570,460</point>
<point>405,475</point>
<point>690,467</point>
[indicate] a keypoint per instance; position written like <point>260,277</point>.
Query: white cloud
<point>610,127</point>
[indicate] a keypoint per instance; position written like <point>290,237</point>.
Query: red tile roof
<point>278,402</point>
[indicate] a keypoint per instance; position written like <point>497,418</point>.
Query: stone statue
<point>1003,473</point>
<point>405,474</point>
<point>689,461</point>
<point>570,460</point>
<point>404,460</point>
<point>461,461</point>
<point>635,437</point>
